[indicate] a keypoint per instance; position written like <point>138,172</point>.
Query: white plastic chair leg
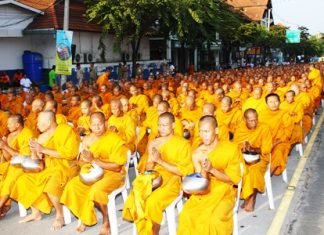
<point>267,178</point>
<point>284,176</point>
<point>22,210</point>
<point>112,216</point>
<point>299,149</point>
<point>67,215</point>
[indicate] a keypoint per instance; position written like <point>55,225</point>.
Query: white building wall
<point>12,49</point>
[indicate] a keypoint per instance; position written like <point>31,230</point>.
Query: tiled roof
<point>54,14</point>
<point>253,9</point>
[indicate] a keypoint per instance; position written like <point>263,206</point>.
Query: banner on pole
<point>63,57</point>
<point>292,36</point>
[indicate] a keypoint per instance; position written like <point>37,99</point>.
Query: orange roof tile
<point>253,9</point>
<point>54,15</point>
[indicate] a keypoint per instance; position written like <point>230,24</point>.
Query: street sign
<point>292,36</point>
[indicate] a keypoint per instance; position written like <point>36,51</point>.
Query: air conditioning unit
<point>78,58</point>
<point>125,56</point>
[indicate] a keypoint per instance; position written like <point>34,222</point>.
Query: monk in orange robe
<point>253,137</point>
<point>139,102</point>
<point>122,124</point>
<point>228,118</point>
<point>296,112</point>
<point>144,206</point>
<point>212,212</point>
<point>107,151</point>
<point>31,120</point>
<point>58,146</point>
<point>281,126</point>
<point>15,144</point>
<point>83,127</point>
<point>74,111</point>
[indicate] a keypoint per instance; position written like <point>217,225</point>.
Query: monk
<point>99,106</point>
<point>3,123</point>
<point>15,144</point>
<point>314,75</point>
<point>212,212</point>
<point>105,94</point>
<point>253,137</point>
<point>106,150</point>
<point>296,112</point>
<point>137,101</point>
<point>31,120</point>
<point>58,147</point>
<point>74,111</point>
<point>228,117</point>
<point>256,101</point>
<point>127,111</point>
<point>281,126</point>
<point>144,206</point>
<point>189,114</point>
<point>52,105</point>
<point>122,124</point>
<point>83,125</point>
<point>12,106</point>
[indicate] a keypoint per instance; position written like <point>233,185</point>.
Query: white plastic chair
<point>133,159</point>
<point>237,203</point>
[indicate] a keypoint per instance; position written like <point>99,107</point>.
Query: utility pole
<point>66,14</point>
<point>65,27</point>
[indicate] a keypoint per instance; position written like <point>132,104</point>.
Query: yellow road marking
<point>282,210</point>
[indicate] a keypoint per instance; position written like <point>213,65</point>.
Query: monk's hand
<point>206,165</point>
<point>156,156</point>
<point>113,128</point>
<point>87,156</point>
<point>3,144</point>
<point>35,146</point>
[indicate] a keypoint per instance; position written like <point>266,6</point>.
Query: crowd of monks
<point>204,123</point>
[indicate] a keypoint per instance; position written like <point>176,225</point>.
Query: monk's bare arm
<point>108,165</point>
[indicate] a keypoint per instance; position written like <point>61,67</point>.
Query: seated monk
<point>296,112</point>
<point>281,126</point>
<point>170,156</point>
<point>99,106</point>
<point>256,101</point>
<point>3,123</point>
<point>228,118</point>
<point>253,137</point>
<point>83,127</point>
<point>52,105</point>
<point>16,143</point>
<point>107,150</point>
<point>31,120</point>
<point>122,124</point>
<point>130,112</point>
<point>212,213</point>
<point>74,111</point>
<point>12,106</point>
<point>58,146</point>
<point>138,101</point>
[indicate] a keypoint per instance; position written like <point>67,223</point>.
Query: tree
<point>128,20</point>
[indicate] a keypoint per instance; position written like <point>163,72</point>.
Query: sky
<point>294,13</point>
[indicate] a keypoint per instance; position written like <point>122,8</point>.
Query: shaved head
<point>208,109</point>
<point>208,119</point>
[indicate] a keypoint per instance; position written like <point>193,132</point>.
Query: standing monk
<point>58,147</point>
<point>212,213</point>
<point>107,150</point>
